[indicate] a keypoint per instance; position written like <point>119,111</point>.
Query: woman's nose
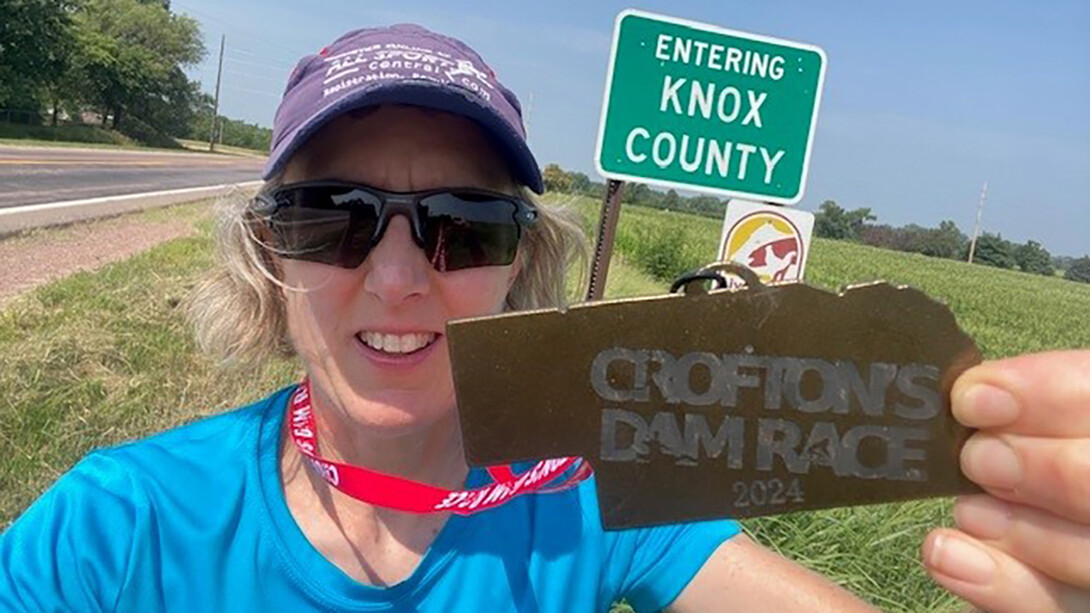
<point>396,269</point>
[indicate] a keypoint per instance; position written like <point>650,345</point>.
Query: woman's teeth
<point>397,343</point>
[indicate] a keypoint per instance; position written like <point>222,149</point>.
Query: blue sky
<point>923,101</point>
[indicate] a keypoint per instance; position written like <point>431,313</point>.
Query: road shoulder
<point>34,258</point>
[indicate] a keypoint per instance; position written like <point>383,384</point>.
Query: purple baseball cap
<point>401,64</point>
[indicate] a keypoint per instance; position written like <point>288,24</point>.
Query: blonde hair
<point>238,313</point>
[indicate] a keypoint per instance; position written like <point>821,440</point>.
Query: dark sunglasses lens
<point>329,225</point>
<point>467,230</point>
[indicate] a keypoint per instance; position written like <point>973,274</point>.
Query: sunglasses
<point>339,223</point>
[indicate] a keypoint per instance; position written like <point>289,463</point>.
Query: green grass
<point>85,134</point>
<point>105,356</point>
<point>116,140</point>
<point>31,142</point>
<point>202,146</point>
<point>1007,312</point>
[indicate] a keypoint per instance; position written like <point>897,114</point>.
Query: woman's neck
<point>433,455</point>
<point>372,544</point>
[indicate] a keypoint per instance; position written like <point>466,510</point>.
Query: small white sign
<point>772,241</point>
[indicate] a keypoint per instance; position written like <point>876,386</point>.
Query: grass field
<point>83,134</point>
<point>94,137</point>
<point>63,144</point>
<point>202,146</point>
<point>105,356</point>
<point>1007,312</point>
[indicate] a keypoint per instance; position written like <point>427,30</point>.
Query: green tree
<point>671,200</point>
<point>1034,258</point>
<point>232,132</point>
<point>994,250</point>
<point>832,221</point>
<point>1079,270</point>
<point>596,189</point>
<point>556,179</point>
<point>580,183</point>
<point>857,218</point>
<point>638,193</point>
<point>128,61</point>
<point>34,48</point>
<point>704,204</point>
<point>241,134</point>
<point>946,241</point>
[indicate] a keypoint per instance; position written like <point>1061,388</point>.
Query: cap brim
<point>418,93</point>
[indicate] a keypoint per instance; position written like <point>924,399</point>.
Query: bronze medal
<point>728,403</point>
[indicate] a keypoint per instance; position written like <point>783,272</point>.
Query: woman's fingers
<point>1046,473</point>
<point>995,581</point>
<point>1057,547</point>
<point>1024,548</point>
<point>1045,394</point>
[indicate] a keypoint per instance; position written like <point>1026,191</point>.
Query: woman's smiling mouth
<point>396,344</point>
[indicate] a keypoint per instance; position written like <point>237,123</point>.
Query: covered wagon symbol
<point>767,243</point>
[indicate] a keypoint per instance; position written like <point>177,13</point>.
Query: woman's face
<point>357,330</point>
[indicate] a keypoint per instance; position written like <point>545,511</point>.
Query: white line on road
<point>107,199</point>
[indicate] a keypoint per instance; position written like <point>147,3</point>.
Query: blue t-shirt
<point>194,519</point>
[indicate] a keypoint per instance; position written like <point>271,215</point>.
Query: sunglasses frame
<point>524,215</point>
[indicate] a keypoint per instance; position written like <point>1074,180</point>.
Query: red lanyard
<point>404,495</point>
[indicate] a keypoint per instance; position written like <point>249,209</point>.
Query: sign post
<point>694,106</point>
<point>607,229</point>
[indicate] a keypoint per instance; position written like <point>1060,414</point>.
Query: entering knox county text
<point>697,106</point>
<point>727,104</point>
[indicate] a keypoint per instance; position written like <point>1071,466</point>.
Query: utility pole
<point>976,230</point>
<point>216,105</point>
<point>526,114</point>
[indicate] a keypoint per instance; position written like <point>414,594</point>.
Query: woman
<point>398,198</point>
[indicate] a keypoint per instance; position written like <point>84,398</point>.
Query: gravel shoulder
<point>37,257</point>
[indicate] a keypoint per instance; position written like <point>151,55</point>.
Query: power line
<point>261,39</point>
<point>250,75</point>
<point>264,57</point>
<point>216,104</point>
<point>234,60</point>
<point>976,229</point>
<point>239,88</point>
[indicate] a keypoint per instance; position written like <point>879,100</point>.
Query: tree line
<point>945,241</point>
<point>119,64</point>
<point>560,180</point>
<point>857,225</point>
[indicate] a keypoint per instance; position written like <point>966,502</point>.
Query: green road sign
<point>695,106</point>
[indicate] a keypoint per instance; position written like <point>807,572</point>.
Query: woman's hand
<point>1025,545</point>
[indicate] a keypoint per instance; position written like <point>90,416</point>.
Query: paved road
<point>34,175</point>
